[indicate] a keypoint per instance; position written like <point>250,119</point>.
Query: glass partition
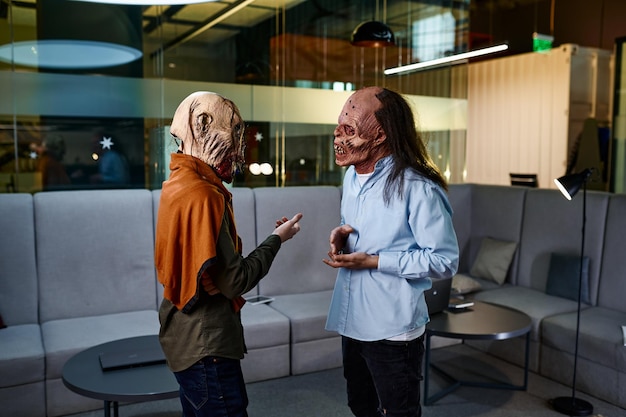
<point>88,90</point>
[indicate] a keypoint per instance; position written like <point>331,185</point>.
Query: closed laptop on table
<point>131,358</point>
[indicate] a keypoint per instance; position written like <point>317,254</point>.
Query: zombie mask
<point>211,129</point>
<point>359,138</point>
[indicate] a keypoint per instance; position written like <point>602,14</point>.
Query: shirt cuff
<point>388,262</point>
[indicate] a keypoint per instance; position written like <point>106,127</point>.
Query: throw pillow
<point>563,277</point>
<point>493,260</point>
<point>464,284</point>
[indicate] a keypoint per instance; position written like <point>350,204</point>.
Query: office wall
<point>526,112</point>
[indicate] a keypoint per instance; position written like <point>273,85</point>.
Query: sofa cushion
<point>564,274</point>
<point>600,340</point>
<point>18,265</point>
<point>493,259</point>
<point>66,337</point>
<point>95,253</point>
<point>464,284</point>
<point>307,314</point>
<point>26,400</point>
<point>263,326</point>
<point>536,304</point>
<point>21,355</point>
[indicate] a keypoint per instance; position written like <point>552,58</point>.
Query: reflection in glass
<point>288,65</point>
<point>67,54</point>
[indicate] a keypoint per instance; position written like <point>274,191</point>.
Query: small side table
<point>482,321</point>
<point>83,375</point>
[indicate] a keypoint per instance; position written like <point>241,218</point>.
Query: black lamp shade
<point>372,34</point>
<point>570,184</point>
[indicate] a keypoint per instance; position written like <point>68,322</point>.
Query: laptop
<point>142,356</point>
<point>438,296</point>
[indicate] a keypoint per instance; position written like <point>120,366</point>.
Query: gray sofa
<point>543,223</point>
<point>77,270</point>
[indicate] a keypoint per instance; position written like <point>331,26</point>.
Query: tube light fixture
<point>452,59</point>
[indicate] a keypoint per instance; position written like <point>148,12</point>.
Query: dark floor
<point>322,394</point>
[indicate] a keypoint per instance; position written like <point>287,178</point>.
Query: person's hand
<point>356,260</point>
<point>287,228</point>
<point>338,238</point>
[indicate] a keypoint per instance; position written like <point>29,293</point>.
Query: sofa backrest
<point>612,286</point>
<point>18,272</point>
<point>553,224</point>
<point>95,252</point>
<point>245,218</point>
<point>156,197</point>
<point>486,211</point>
<point>298,267</point>
<point>497,212</point>
<point>460,197</point>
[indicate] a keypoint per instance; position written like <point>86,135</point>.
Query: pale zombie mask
<point>211,129</point>
<point>359,138</point>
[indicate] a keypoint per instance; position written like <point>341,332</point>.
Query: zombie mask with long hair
<point>359,137</point>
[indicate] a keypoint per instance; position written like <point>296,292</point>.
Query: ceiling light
<point>148,2</point>
<point>67,54</point>
<point>452,59</point>
<point>372,34</point>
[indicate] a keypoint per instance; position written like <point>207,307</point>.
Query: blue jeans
<point>213,387</point>
<point>383,377</point>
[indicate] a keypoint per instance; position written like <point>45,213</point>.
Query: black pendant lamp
<point>372,34</point>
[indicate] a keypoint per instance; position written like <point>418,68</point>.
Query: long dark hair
<point>405,143</point>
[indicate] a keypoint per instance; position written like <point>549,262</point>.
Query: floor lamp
<point>569,186</point>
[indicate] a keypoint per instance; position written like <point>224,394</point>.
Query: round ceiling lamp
<point>67,54</point>
<point>372,34</point>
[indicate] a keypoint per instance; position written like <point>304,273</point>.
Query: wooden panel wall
<point>520,112</point>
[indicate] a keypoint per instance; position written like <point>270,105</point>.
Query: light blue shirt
<point>415,241</point>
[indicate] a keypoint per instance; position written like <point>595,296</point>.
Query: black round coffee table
<point>482,321</point>
<point>83,374</point>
